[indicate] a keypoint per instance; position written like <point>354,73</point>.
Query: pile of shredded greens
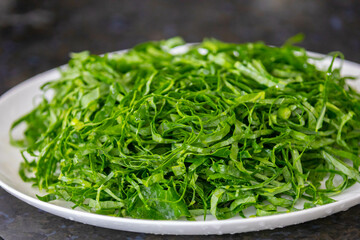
<point>155,134</point>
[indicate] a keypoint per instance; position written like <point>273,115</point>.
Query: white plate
<point>19,100</point>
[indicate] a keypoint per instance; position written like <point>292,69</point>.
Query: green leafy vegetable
<point>160,133</point>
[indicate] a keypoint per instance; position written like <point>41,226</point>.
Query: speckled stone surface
<point>37,35</point>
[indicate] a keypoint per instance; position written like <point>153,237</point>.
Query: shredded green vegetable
<point>216,129</point>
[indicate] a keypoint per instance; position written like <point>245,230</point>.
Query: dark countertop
<point>37,35</point>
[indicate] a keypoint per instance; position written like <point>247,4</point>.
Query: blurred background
<point>36,35</point>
